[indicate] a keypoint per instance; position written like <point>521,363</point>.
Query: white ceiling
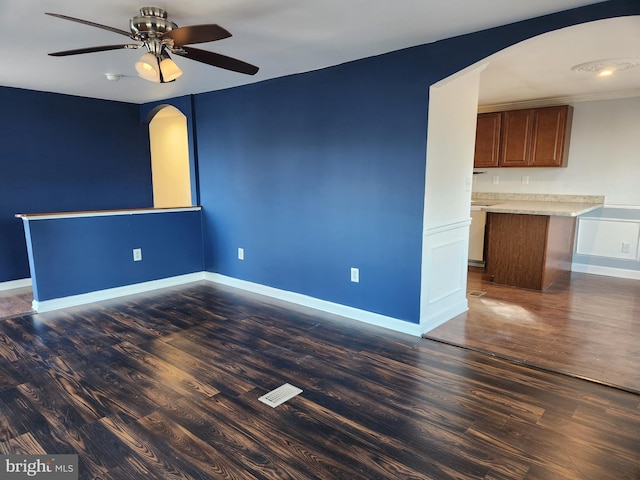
<point>540,68</point>
<point>284,37</point>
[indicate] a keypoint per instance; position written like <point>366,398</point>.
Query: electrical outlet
<point>240,253</point>
<point>355,274</point>
<point>525,180</point>
<point>495,179</point>
<point>137,254</point>
<point>626,246</point>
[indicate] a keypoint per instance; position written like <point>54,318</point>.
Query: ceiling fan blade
<point>217,60</point>
<point>103,48</point>
<point>91,24</point>
<point>196,34</point>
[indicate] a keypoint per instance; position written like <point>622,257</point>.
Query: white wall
<point>445,242</point>
<point>450,148</point>
<point>604,158</point>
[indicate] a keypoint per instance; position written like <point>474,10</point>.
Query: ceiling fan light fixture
<point>168,68</point>
<point>157,68</point>
<point>160,36</point>
<point>148,67</point>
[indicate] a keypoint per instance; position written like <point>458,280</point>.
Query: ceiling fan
<point>160,36</point>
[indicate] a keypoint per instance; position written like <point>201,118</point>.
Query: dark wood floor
<point>585,325</point>
<point>166,385</point>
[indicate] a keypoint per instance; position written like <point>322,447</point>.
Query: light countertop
<point>532,204</point>
<point>529,207</point>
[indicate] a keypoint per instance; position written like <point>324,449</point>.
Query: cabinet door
<point>487,140</point>
<point>550,140</point>
<point>515,149</point>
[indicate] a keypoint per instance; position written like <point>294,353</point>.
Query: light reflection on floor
<point>515,313</point>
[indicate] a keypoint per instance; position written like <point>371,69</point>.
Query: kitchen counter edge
<point>566,209</point>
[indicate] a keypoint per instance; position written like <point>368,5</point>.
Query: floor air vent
<point>476,293</point>
<point>280,395</point>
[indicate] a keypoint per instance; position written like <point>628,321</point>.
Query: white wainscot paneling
<point>444,274</point>
<point>609,238</point>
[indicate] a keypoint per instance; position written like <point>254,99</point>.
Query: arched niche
<point>170,165</point>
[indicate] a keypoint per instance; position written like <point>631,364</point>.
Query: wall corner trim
<point>317,304</point>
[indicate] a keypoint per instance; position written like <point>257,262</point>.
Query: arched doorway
<point>453,106</point>
<point>170,166</point>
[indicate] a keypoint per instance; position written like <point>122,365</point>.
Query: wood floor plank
<point>284,435</point>
<point>585,325</point>
<point>212,423</point>
<point>166,385</point>
<point>15,301</point>
<point>149,457</point>
<point>203,363</point>
<point>170,374</point>
<point>64,422</point>
<point>26,418</point>
<point>22,445</point>
<point>192,450</point>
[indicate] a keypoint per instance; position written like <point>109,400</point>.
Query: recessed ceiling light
<point>607,67</point>
<point>114,77</point>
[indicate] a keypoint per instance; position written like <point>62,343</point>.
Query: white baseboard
<point>317,304</point>
<point>607,271</point>
<point>295,298</point>
<point>443,316</point>
<point>25,282</point>
<point>82,299</point>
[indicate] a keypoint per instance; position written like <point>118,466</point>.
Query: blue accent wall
<point>72,256</point>
<point>315,173</point>
<point>66,153</point>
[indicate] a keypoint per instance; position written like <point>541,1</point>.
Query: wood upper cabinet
<point>488,140</point>
<point>537,137</point>
<point>515,146</point>
<point>551,135</point>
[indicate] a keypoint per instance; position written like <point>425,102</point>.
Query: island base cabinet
<point>528,251</point>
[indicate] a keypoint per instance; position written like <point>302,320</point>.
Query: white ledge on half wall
<point>102,213</point>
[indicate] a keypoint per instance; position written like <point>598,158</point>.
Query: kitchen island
<point>530,238</point>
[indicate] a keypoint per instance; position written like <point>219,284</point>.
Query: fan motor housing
<point>151,23</point>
